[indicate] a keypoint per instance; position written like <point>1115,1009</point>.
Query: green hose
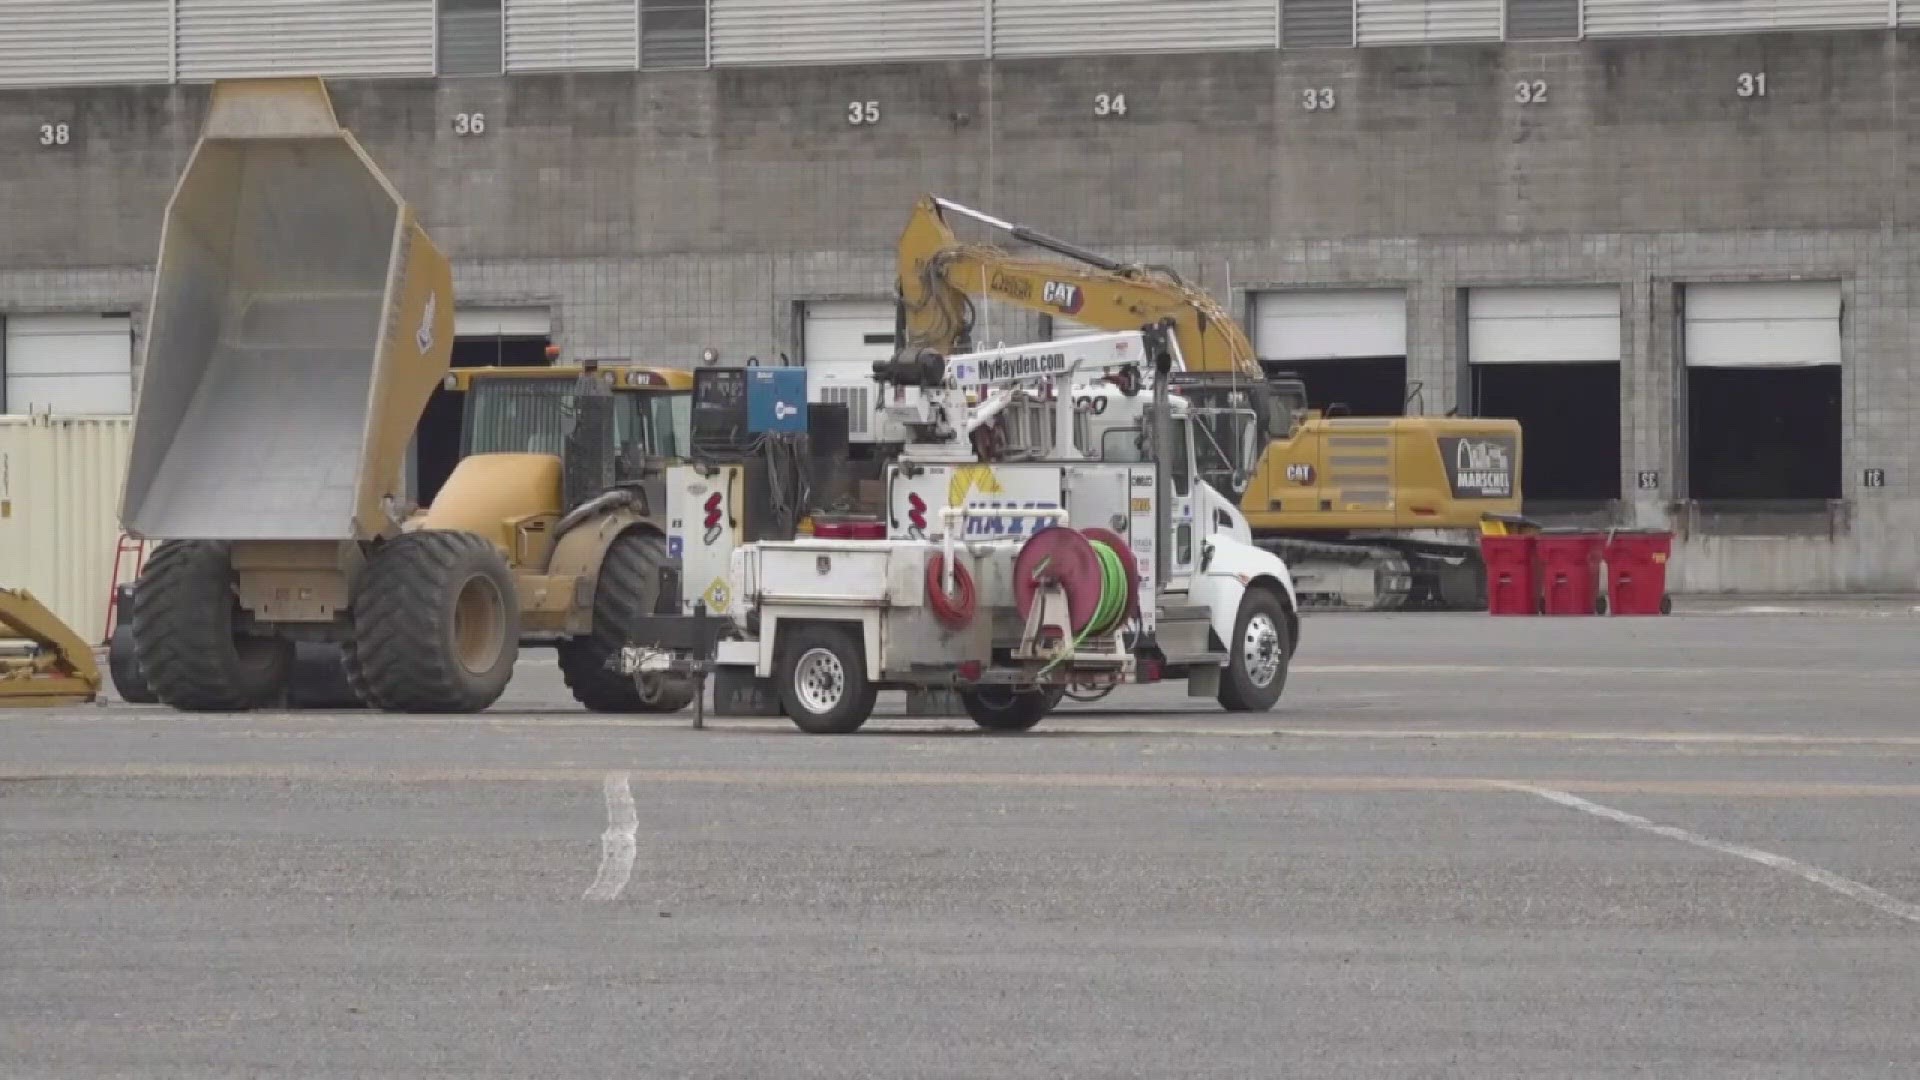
<point>1113,592</point>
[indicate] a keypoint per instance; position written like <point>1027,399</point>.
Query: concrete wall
<point>659,213</point>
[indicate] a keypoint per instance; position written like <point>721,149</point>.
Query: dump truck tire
<point>123,664</point>
<point>183,616</point>
<point>319,678</point>
<point>436,623</point>
<point>628,589</point>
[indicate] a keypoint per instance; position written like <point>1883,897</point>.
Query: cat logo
<point>1065,297</point>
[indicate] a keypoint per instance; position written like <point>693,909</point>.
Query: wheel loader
<point>301,317</point>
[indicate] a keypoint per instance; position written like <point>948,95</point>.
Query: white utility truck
<point>1046,534</point>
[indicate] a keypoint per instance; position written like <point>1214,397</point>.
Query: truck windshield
<point>531,416</point>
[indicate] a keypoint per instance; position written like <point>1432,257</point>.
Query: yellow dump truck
<point>301,317</point>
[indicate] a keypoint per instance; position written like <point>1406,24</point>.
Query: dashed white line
<point>1866,894</point>
<point>618,843</point>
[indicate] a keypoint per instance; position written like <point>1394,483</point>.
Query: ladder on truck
<point>126,545</point>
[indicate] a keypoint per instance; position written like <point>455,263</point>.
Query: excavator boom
<point>43,663</point>
<point>938,274</point>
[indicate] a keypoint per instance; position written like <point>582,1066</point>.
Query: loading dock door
<point>68,364</point>
<point>1549,357</point>
<point>1763,390</point>
<point>847,330</point>
<point>1348,345</point>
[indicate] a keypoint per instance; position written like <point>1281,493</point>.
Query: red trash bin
<point>1570,572</point>
<point>1512,584</point>
<point>1637,571</point>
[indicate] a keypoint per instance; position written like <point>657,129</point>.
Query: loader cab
<point>529,410</point>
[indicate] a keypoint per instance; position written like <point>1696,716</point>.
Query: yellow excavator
<point>1376,513</point>
<point>43,663</point>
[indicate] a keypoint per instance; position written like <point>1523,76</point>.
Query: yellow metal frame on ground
<point>59,670</point>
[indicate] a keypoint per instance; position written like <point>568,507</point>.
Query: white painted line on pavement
<point>1866,894</point>
<point>618,843</point>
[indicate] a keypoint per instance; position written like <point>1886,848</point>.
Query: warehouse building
<point>1673,237</point>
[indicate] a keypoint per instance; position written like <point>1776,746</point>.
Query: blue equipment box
<point>776,400</point>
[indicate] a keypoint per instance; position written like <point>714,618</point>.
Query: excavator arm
<point>42,661</point>
<point>939,275</point>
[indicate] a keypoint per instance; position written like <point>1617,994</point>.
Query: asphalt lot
<point>1461,847</point>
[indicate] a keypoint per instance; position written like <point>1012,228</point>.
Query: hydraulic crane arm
<point>939,275</point>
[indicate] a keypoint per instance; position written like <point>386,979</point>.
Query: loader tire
<point>123,664</point>
<point>628,589</point>
<point>184,613</point>
<point>436,623</point>
<point>1258,655</point>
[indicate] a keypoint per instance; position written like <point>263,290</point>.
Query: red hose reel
<point>955,612</point>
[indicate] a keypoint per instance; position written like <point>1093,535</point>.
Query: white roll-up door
<point>1909,12</point>
<point>63,42</point>
<point>555,35</point>
<point>1544,325</point>
<point>1762,324</point>
<point>1638,17</point>
<point>68,364</point>
<point>1330,324</point>
<point>1413,22</point>
<point>1055,27</point>
<point>845,31</point>
<point>847,330</point>
<point>502,322</point>
<point>236,38</point>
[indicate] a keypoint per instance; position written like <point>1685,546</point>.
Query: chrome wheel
<point>1260,650</point>
<point>819,680</point>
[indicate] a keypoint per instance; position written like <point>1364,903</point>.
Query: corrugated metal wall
<point>470,37</point>
<point>828,31</point>
<point>549,35</point>
<point>1408,22</point>
<point>1053,27</point>
<point>1728,16</point>
<point>229,38</point>
<point>1310,23</point>
<point>673,33</point>
<point>1909,12</point>
<point>1532,20</point>
<point>60,483</point>
<point>55,42</point>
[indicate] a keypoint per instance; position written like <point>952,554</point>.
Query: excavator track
<point>1382,575</point>
<point>1345,577</point>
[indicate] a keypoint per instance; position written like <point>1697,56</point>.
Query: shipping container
<point>60,479</point>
